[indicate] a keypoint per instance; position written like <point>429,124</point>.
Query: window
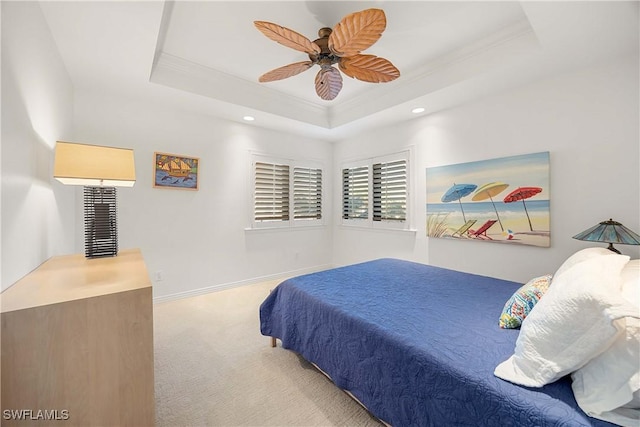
<point>271,196</point>
<point>307,193</point>
<point>383,180</point>
<point>286,193</point>
<point>355,193</point>
<point>390,191</point>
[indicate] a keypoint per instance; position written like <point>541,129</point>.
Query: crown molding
<point>179,73</point>
<point>464,63</point>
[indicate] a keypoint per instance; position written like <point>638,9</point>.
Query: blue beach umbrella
<point>457,192</point>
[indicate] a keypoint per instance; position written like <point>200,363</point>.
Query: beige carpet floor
<point>214,368</point>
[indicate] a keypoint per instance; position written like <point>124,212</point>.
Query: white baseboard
<point>253,281</point>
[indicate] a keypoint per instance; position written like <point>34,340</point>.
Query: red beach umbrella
<point>522,193</point>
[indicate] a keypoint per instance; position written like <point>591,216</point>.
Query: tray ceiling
<point>207,56</point>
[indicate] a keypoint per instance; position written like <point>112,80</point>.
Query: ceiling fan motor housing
<point>325,57</point>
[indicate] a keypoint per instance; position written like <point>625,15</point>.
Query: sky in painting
<point>528,170</point>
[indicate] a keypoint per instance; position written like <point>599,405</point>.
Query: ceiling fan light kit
<point>341,45</point>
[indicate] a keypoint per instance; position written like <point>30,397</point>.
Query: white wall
<point>37,108</point>
<point>589,122</point>
<point>197,239</point>
<point>587,119</point>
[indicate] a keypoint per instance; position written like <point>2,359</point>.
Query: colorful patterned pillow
<point>522,302</point>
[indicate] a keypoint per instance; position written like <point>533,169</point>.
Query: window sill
<point>378,229</point>
<point>280,229</point>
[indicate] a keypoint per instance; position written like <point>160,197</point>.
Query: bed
<point>417,345</point>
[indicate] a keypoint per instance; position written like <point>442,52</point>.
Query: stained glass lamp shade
<point>609,232</point>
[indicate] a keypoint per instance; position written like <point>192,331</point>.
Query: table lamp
<point>609,232</point>
<point>100,170</point>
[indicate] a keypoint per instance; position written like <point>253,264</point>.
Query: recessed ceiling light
<point>249,118</point>
<point>417,110</point>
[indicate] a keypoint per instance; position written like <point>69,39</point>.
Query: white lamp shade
<point>93,165</point>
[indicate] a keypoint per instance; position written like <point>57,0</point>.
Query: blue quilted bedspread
<point>416,344</point>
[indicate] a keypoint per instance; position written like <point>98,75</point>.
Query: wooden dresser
<point>77,344</point>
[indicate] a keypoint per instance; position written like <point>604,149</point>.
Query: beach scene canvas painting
<point>504,200</point>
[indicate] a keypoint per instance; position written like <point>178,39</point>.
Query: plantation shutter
<point>390,191</point>
<point>271,192</point>
<point>307,193</point>
<point>355,193</point>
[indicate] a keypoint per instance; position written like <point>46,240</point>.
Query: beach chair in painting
<point>481,233</point>
<point>465,228</point>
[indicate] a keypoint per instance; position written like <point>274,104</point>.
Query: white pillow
<point>604,388</point>
<point>635,401</point>
<point>631,281</point>
<point>608,387</point>
<point>581,255</point>
<point>572,324</point>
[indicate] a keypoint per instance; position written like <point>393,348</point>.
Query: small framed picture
<point>175,171</point>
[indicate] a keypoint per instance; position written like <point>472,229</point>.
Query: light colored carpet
<point>214,368</point>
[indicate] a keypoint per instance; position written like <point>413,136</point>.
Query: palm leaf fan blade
<point>328,83</point>
<point>287,37</point>
<point>357,32</point>
<point>285,72</point>
<point>369,68</point>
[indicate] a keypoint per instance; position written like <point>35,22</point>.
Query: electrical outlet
<point>158,276</point>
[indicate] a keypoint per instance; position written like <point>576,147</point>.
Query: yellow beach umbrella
<point>488,191</point>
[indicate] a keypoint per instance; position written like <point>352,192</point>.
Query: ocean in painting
<point>484,210</point>
<point>163,179</point>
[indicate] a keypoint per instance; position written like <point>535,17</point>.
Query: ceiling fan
<point>342,45</point>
